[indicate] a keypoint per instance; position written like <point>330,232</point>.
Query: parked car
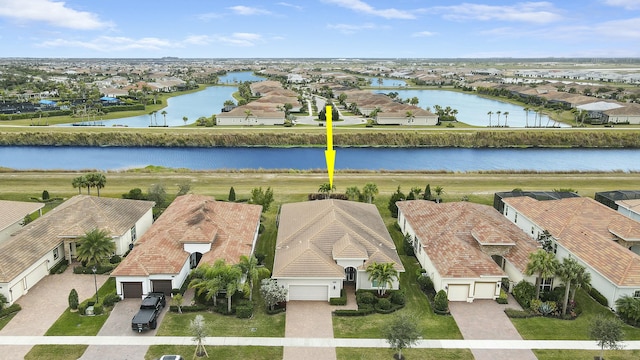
<point>147,316</point>
<point>171,357</point>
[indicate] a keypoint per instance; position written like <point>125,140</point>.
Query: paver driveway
<point>309,319</point>
<point>486,320</point>
<point>43,305</point>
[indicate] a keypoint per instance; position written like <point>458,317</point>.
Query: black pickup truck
<point>147,316</point>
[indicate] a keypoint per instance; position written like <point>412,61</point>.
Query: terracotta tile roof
<point>583,226</point>
<point>12,212</point>
<point>73,218</point>
<point>446,231</point>
<point>311,233</point>
<point>195,219</point>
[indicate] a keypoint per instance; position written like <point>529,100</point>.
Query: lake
<point>451,159</point>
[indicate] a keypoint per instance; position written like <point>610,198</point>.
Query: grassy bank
<point>282,137</point>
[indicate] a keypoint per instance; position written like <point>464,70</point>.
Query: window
<point>546,284</point>
<point>532,230</point>
<point>133,234</point>
<point>506,211</point>
<point>374,283</point>
<point>55,254</point>
<point>516,218</point>
<point>636,294</point>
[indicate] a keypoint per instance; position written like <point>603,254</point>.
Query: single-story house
<point>28,255</point>
<point>248,116</point>
<point>598,237</point>
<point>465,248</point>
<point>12,214</point>
<point>193,230</point>
<point>323,244</point>
<point>629,208</point>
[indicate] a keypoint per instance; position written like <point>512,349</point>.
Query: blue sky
<point>319,28</point>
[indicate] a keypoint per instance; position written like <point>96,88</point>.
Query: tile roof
<point>584,227</point>
<point>449,233</point>
<point>195,219</point>
<point>311,233</point>
<point>73,218</point>
<point>12,212</point>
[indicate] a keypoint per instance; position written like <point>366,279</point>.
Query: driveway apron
<point>119,324</point>
<point>309,319</point>
<point>486,320</point>
<point>43,305</point>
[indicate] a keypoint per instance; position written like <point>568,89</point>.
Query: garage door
<point>37,274</point>
<point>132,290</point>
<point>309,292</point>
<point>163,286</point>
<point>484,290</point>
<point>458,292</point>
<point>16,291</point>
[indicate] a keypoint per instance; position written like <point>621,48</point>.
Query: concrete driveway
<point>119,324</point>
<point>43,305</point>
<point>309,319</point>
<point>486,320</point>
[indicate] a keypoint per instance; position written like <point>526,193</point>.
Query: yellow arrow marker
<point>330,154</point>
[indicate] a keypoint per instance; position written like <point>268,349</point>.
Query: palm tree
<point>247,115</point>
<point>326,188</point>
<point>230,281</point>
<point>498,113</point>
<point>97,180</point>
<point>490,113</point>
<point>526,117</point>
<point>369,190</point>
<point>185,119</point>
<point>151,118</point>
<point>207,280</point>
<point>542,264</point>
<point>94,247</point>
<point>382,274</point>
<point>439,190</point>
<point>164,115</point>
<point>252,271</point>
<point>410,116</point>
<point>506,113</point>
<point>568,272</point>
<point>353,193</point>
<point>79,182</point>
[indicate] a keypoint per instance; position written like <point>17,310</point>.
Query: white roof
<point>599,106</point>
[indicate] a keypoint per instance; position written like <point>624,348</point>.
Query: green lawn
<point>74,324</point>
<point>5,320</point>
<point>217,352</point>
<point>586,354</point>
<point>56,352</point>
<point>542,328</point>
<point>423,354</point>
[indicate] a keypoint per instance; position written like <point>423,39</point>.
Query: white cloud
<point>350,29</point>
<point>529,12</point>
<point>209,16</point>
<point>240,39</point>
<point>113,43</point>
<point>55,13</point>
<point>362,7</point>
<point>297,7</point>
<point>627,4</point>
<point>423,34</point>
<point>627,28</point>
<point>198,40</point>
<point>246,10</point>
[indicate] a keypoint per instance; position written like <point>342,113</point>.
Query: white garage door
<point>458,292</point>
<point>484,290</point>
<point>37,274</point>
<point>309,292</point>
<point>17,290</point>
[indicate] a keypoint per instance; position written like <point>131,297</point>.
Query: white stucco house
<point>324,244</point>
<point>465,248</point>
<point>630,209</point>
<point>598,237</point>
<point>32,251</point>
<point>246,116</point>
<point>193,230</point>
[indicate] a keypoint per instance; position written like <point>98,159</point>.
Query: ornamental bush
<point>441,302</point>
<point>523,292</point>
<point>425,283</point>
<point>73,299</point>
<point>365,297</point>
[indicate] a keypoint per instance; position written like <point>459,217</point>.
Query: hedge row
<point>59,268</point>
<point>10,310</point>
<point>102,269</point>
<point>189,308</point>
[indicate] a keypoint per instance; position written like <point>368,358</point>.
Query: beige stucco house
<point>322,245</point>
<point>465,248</point>
<point>12,214</point>
<point>193,230</point>
<point>30,253</point>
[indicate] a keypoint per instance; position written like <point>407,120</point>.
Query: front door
<point>350,274</point>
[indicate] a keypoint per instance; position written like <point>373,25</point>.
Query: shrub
<point>244,310</point>
<point>73,299</point>
<point>597,296</point>
<point>425,283</point>
<point>360,312</point>
<point>342,300</point>
<point>110,299</point>
<point>82,308</point>
<point>191,308</point>
<point>102,269</point>
<point>115,259</point>
<point>175,291</point>
<point>547,308</point>
<point>408,246</point>
<point>518,314</point>
<point>383,304</point>
<point>365,297</point>
<point>523,292</point>
<point>45,195</point>
<point>10,310</point>
<point>441,302</point>
<point>503,298</point>
<point>260,257</point>
<point>398,297</point>
<point>59,268</point>
<point>98,309</point>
